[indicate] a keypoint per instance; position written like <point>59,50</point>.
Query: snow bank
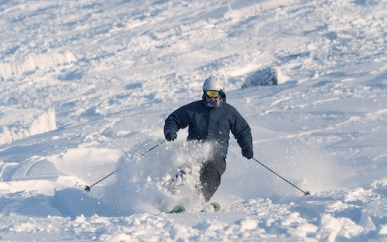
<point>28,123</point>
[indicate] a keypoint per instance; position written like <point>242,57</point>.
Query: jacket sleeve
<point>242,132</point>
<point>177,120</point>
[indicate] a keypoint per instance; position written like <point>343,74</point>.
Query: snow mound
<point>20,124</point>
<point>75,202</point>
<point>265,77</point>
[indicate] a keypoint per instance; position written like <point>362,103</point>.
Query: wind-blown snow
<point>85,87</point>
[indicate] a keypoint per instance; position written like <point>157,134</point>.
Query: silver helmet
<point>213,84</point>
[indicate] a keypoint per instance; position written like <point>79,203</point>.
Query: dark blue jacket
<point>211,124</point>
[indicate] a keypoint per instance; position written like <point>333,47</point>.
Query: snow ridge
<point>45,122</point>
<point>32,62</point>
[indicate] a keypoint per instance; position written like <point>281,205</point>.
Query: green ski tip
<point>216,206</point>
<point>178,209</point>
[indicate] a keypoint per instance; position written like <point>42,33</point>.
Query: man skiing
<point>211,120</point>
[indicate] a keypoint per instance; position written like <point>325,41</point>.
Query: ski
<point>215,206</point>
<point>212,206</point>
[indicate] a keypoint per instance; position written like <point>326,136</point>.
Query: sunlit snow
<point>85,87</point>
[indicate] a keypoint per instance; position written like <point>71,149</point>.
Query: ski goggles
<point>212,94</point>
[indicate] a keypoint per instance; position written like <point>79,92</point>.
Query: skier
<point>211,120</point>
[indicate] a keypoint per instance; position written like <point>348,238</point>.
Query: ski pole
<point>87,188</point>
<point>307,193</point>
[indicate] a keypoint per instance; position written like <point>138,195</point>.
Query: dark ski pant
<point>210,175</point>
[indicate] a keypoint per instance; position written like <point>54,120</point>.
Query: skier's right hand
<point>170,136</point>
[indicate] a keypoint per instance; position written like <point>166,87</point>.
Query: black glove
<point>248,153</point>
<point>170,136</point>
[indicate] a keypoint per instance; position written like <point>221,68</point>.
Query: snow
<point>85,87</point>
<point>34,121</point>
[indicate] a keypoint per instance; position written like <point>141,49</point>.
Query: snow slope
<point>86,86</point>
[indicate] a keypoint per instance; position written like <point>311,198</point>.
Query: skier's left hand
<point>248,153</point>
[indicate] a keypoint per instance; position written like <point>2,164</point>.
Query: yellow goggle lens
<point>214,94</point>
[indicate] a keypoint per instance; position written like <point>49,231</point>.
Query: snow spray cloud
<point>161,179</point>
<point>305,165</point>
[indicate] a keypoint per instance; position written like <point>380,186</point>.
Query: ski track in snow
<point>85,87</point>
